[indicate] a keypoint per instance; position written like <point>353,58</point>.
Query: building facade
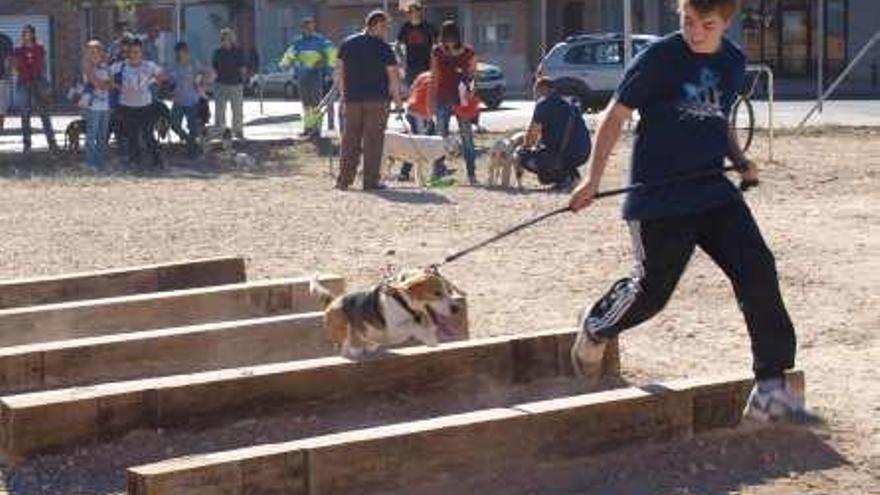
<point>513,34</point>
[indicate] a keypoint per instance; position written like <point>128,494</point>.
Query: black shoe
<point>376,187</point>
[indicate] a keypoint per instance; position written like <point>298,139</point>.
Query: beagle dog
<point>503,161</point>
<point>415,304</point>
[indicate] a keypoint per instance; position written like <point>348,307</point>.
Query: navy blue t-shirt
<point>554,113</point>
<point>366,59</point>
<point>683,99</point>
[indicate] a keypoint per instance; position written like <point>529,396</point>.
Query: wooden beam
<point>127,356</point>
<point>37,421</point>
<point>121,282</point>
<point>445,449</point>
<point>124,314</point>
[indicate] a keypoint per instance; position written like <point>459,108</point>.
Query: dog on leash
<point>503,161</point>
<point>420,150</point>
<point>415,304</point>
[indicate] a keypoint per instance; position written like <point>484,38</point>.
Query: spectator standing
<point>557,142</point>
<point>230,66</point>
<point>96,77</point>
<point>32,88</point>
<point>453,63</point>
<point>187,77</point>
<point>369,77</point>
<point>415,38</point>
<point>311,55</point>
<point>134,77</point>
<point>6,49</point>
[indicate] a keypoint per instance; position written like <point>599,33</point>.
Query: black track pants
<point>730,236</point>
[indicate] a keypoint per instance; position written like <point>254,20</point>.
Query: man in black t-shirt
<point>368,79</point>
<point>416,37</point>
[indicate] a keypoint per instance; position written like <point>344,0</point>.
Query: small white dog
<point>503,161</point>
<point>422,151</point>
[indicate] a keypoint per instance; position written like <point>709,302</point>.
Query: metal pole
<point>543,28</point>
<point>859,56</point>
<point>820,53</point>
<point>258,30</point>
<point>627,32</point>
<point>178,17</point>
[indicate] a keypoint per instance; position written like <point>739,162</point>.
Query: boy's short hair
<point>703,7</point>
<point>181,46</point>
<point>135,42</point>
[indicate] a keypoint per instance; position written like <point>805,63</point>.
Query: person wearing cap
<point>311,56</point>
<point>415,38</point>
<point>368,78</point>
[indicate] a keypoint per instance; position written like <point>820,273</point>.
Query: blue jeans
<point>444,114</point>
<point>97,129</point>
<point>28,102</point>
<point>193,125</point>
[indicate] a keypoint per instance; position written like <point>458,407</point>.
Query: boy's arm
<point>607,136</point>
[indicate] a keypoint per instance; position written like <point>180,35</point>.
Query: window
<point>580,55</point>
<point>609,53</point>
<point>493,33</point>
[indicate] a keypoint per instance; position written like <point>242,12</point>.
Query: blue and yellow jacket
<point>309,52</point>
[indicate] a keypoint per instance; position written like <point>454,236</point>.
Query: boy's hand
<point>583,195</point>
<point>748,173</point>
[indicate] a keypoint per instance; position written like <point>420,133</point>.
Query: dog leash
<point>640,186</point>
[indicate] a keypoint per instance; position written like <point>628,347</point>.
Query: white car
<point>589,67</point>
<point>273,81</point>
<point>277,81</point>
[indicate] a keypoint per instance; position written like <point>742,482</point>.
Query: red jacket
<point>29,62</point>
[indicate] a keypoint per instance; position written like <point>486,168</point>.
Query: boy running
<point>683,87</point>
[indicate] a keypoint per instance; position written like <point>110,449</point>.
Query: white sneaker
<point>778,404</point>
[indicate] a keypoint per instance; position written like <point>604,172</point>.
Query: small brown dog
<point>415,304</point>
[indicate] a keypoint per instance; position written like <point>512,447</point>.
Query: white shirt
<point>135,88</point>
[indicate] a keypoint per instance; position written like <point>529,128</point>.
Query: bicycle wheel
<point>742,119</point>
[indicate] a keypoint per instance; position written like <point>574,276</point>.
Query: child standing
<point>186,75</point>
<point>96,77</point>
<point>134,77</point>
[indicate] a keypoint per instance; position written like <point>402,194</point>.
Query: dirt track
<point>817,208</point>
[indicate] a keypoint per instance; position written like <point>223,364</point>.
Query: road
<point>280,119</point>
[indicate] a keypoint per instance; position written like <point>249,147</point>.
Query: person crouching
<point>557,141</point>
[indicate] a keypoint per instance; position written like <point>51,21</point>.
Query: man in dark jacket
<point>557,142</point>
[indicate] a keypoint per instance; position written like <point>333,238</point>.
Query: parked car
<point>277,81</point>
<point>491,84</point>
<point>589,67</point>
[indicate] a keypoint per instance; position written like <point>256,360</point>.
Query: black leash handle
<point>744,186</point>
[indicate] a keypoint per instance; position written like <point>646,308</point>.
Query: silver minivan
<point>589,67</point>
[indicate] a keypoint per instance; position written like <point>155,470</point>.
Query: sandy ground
<point>817,207</point>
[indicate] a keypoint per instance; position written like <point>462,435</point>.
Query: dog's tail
<point>325,297</point>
